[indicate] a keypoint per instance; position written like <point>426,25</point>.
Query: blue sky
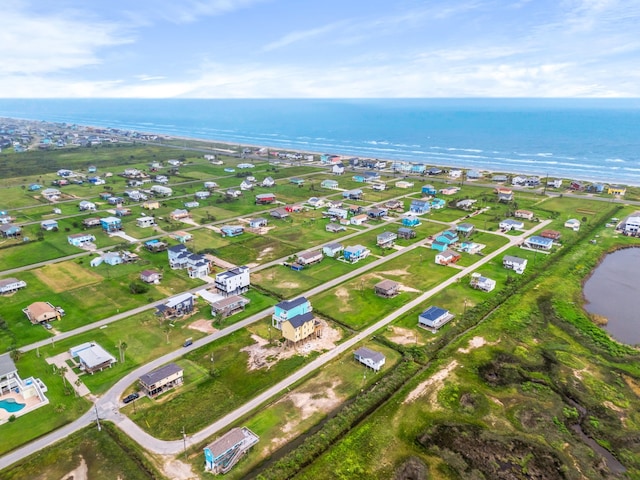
<point>328,48</point>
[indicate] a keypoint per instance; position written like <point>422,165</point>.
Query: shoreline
<point>486,171</point>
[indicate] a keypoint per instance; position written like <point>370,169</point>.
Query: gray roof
<point>289,304</point>
<point>300,320</point>
<point>223,444</point>
<point>364,352</point>
<point>6,365</point>
<point>512,259</point>
<point>8,281</point>
<point>160,374</point>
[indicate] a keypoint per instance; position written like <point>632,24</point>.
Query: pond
<point>611,292</point>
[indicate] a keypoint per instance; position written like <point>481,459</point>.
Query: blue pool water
<point>10,405</point>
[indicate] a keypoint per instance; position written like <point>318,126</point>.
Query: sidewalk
<point>59,361</point>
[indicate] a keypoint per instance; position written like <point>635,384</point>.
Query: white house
<point>516,264</point>
<point>10,285</point>
<point>482,283</point>
<point>573,224</point>
<point>234,281</point>
<point>161,190</point>
<point>510,224</point>
<point>337,169</point>
<point>370,358</point>
<point>145,222</point>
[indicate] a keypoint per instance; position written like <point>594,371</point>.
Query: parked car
<point>47,325</point>
<point>130,398</point>
<point>188,341</point>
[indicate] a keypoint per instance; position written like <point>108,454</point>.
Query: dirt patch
<point>264,252</point>
<point>475,342</point>
<point>64,276</point>
<point>432,384</point>
<point>265,355</point>
<point>177,470</point>
<point>289,285</point>
<point>397,272</point>
<point>80,473</point>
<point>203,326</point>
<point>404,336</point>
<point>404,288</point>
<point>413,468</point>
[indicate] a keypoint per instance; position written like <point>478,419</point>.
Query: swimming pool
<point>10,405</point>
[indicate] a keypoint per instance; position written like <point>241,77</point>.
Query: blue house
<point>419,207</point>
<point>410,221</point>
<point>49,225</point>
<point>111,224</point>
<point>355,194</point>
<point>437,203</point>
<point>418,168</point>
<point>112,258</point>
<point>355,253</point>
<point>439,246</point>
<point>369,176</point>
<point>447,237</point>
<point>10,231</point>
<point>289,309</point>
<point>434,317</point>
<point>539,243</point>
<point>429,190</point>
<point>359,178</point>
<point>222,454</point>
<point>34,186</point>
<point>465,229</point>
<point>231,230</point>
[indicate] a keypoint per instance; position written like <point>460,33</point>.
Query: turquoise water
<point>592,139</point>
<point>10,405</point>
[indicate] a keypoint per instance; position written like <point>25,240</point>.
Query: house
<point>41,312</point>
<point>10,230</point>
<point>449,190</point>
<point>538,243</point>
<point>526,214</point>
<point>51,193</point>
<point>499,178</point>
<point>210,185</point>
<point>434,317</point>
<point>246,185</point>
<point>406,233</point>
<point>532,182</point>
<point>429,190</point>
<point>151,204</point>
<point>179,214</point>
<point>447,257</point>
<point>227,306</point>
<point>616,190</point>
<point>231,230</point>
<point>233,281</point>
<point>91,222</point>
<point>123,212</point>
<point>337,169</point>
<point>482,283</point>
<point>49,225</point>
<point>268,182</point>
<point>297,181</point>
<point>191,204</point>
<point>161,379</point>
<point>111,224</point>
<point>404,184</point>
<point>337,213</point>
<point>510,224</point>
<point>573,224</point>
<point>221,455</point>
<point>377,212</point>
<point>473,175</point>
<point>419,207</point>
<point>387,288</point>
<point>332,249</point>
<point>552,234</point>
<point>359,219</point>
<point>11,285</point>
<point>112,258</point>
<point>355,209</point>
<point>378,186</point>
<point>86,206</point>
<point>575,185</point>
<point>410,220</point>
<point>334,228</point>
<point>258,222</point>
<point>518,181</point>
<point>145,222</point>
<point>370,358</point>
<point>471,247</point>
<point>439,246</point>
<point>300,327</point>
<point>289,309</point>
<point>437,203</point>
<point>355,253</point>
<point>92,357</point>
<point>371,176</point>
<point>394,205</point>
<point>150,276</point>
<point>466,204</point>
<point>554,183</point>
<point>448,237</point>
<point>465,229</point>
<point>386,239</point>
<point>155,245</point>
<point>355,194</point>
<point>455,173</point>
<point>115,200</point>
<point>316,202</point>
<point>516,264</point>
<point>631,225</point>
<point>279,213</point>
<point>34,187</point>
<point>233,192</point>
<point>309,258</point>
<point>359,178</point>
<point>293,208</point>
<point>177,306</point>
<point>179,256</point>
<point>161,191</point>
<point>182,236</point>
<point>434,171</point>
<point>5,218</point>
<point>245,165</point>
<point>202,195</point>
<point>28,394</point>
<point>80,239</point>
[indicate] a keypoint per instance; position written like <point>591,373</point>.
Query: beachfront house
<point>616,190</point>
<point>434,317</point>
<point>145,222</point>
<point>516,264</point>
<point>370,358</point>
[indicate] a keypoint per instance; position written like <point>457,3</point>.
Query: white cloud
<point>187,11</point>
<point>300,35</point>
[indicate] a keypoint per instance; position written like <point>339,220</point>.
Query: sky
<point>319,49</point>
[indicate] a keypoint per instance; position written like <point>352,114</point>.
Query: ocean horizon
<point>587,139</point>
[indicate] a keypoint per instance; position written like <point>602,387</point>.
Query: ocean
<point>586,139</point>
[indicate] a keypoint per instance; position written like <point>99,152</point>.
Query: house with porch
<point>289,309</point>
<point>10,230</point>
<point>231,230</point>
<point>465,229</point>
<point>301,327</point>
<point>406,233</point>
<point>359,219</point>
<point>337,169</point>
<point>176,307</point>
<point>480,282</point>
<point>397,205</point>
<point>42,312</point>
<point>404,184</point>
<point>387,288</point>
<point>279,213</point>
<point>386,239</point>
<point>86,206</point>
<point>448,237</point>
<point>552,234</point>
<point>91,357</point>
<point>28,392</point>
<point>155,245</point>
<point>419,207</point>
<point>429,190</point>
<point>438,246</point>
<point>161,379</point>
<point>573,224</point>
<point>447,257</point>
<point>434,317</point>
<point>221,455</point>
<point>437,204</point>
<point>210,185</point>
<point>330,184</point>
<point>337,212</point>
<point>258,222</point>
<point>538,243</point>
<point>410,219</point>
<point>123,212</point>
<point>297,181</point>
<point>227,306</point>
<point>370,358</point>
<point>151,205</point>
<point>80,239</point>
<point>179,214</point>
<point>91,222</point>
<point>11,285</point>
<point>233,281</point>
<point>202,195</point>
<point>377,212</point>
<point>309,258</point>
<point>265,198</point>
<point>182,236</point>
<point>145,222</point>
<point>333,249</point>
<point>111,224</point>
<point>335,228</point>
<point>355,194</point>
<point>526,214</point>
<point>150,276</point>
<point>616,190</point>
<point>516,264</point>
<point>510,224</point>
<point>466,204</point>
<point>355,253</point>
<point>49,225</point>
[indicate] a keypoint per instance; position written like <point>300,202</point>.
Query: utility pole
<point>184,440</point>
<point>97,417</point>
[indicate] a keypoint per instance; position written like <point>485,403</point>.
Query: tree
<point>166,330</point>
<point>122,348</point>
<point>62,371</point>
<point>15,354</point>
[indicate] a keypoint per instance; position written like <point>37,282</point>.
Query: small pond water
<point>613,291</point>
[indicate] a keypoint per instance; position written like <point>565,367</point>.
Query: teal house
<point>289,309</point>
